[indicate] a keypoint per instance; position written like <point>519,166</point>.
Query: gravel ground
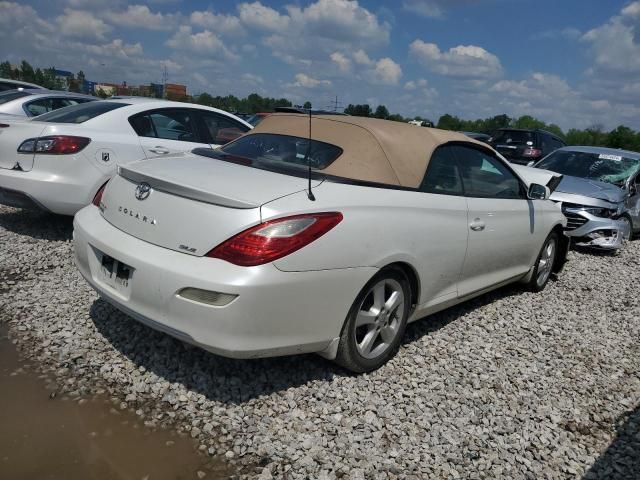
<point>510,385</point>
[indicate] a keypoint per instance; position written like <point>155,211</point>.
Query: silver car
<point>599,192</point>
<point>28,102</point>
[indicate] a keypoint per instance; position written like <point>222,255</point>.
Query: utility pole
<point>335,105</point>
<point>165,77</point>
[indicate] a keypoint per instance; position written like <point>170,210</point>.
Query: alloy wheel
<point>379,318</point>
<point>545,263</point>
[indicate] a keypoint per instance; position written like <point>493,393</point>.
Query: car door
<point>167,131</point>
<point>444,213</point>
<point>505,228</point>
<point>220,129</point>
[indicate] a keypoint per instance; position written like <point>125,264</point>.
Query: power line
<point>335,105</point>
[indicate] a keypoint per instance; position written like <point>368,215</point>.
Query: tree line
<point>620,137</point>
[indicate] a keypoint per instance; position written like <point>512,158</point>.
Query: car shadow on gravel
<point>237,381</point>
<point>621,460</point>
<point>434,322</point>
<point>218,378</point>
<point>36,224</point>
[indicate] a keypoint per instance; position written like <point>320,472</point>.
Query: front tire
<point>376,322</point>
<point>544,263</point>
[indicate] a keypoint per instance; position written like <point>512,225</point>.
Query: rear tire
<point>544,263</point>
<point>376,322</point>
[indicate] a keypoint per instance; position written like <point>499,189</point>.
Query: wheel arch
<point>563,251</point>
<point>412,276</point>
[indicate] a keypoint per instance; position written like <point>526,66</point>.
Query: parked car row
<point>308,233</point>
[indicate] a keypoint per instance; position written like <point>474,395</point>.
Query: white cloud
<point>222,24</point>
<point>415,84</point>
<point>343,63</point>
<point>463,61</point>
<point>116,48</point>
<point>78,23</point>
<point>252,79</point>
<point>303,35</point>
<point>205,42</point>
<point>259,16</point>
<point>431,8</point>
<point>361,57</point>
<point>614,45</point>
<point>305,81</point>
<point>386,72</point>
<point>141,17</point>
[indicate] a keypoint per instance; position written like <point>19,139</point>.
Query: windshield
<point>79,113</point>
<point>513,136</point>
<point>256,119</point>
<point>9,96</point>
<point>270,151</point>
<point>610,168</point>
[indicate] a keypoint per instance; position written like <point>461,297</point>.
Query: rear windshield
<point>79,113</point>
<point>610,168</point>
<point>513,137</point>
<point>9,96</point>
<point>273,152</point>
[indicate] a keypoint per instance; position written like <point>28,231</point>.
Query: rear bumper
<point>48,188</point>
<point>17,199</point>
<point>274,313</point>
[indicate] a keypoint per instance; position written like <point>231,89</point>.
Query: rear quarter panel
<point>380,227</point>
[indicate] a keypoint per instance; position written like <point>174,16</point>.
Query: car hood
<point>591,188</point>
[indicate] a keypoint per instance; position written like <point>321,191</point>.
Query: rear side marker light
<point>4,125</point>
<point>97,200</point>
<point>275,239</point>
<point>55,145</point>
<point>208,297</point>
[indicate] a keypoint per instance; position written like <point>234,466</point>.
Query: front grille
<point>574,219</point>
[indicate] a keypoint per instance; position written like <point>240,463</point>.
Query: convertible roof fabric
<point>374,150</point>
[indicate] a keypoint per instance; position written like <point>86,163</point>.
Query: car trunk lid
<point>12,134</point>
<point>194,203</point>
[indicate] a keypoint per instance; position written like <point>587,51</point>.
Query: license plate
<point>115,274</point>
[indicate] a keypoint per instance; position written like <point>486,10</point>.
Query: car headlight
<point>601,212</point>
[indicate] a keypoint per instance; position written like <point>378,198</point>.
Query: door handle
<point>477,225</point>
<point>159,150</point>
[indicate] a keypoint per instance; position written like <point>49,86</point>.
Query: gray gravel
<point>510,385</point>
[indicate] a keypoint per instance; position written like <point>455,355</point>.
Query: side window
<point>57,103</point>
<point>38,107</point>
<point>221,129</point>
<point>545,146</point>
<point>170,124</point>
<point>484,176</point>
<point>442,174</point>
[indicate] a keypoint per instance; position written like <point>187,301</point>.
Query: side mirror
<point>538,192</point>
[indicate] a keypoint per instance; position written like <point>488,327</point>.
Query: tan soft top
<point>375,150</point>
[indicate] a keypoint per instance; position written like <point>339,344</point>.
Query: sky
<point>575,63</point>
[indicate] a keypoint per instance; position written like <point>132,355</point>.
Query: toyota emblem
<point>143,191</point>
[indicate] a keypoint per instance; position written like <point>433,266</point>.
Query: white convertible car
<point>58,161</point>
<point>283,242</point>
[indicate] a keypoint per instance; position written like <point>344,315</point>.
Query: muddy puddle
<point>44,438</point>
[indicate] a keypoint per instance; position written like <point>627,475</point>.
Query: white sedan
<point>278,244</point>
<point>31,102</point>
<point>58,161</point>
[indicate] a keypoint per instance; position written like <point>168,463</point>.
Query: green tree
<point>363,110</point>
<point>27,74</point>
<point>381,112</point>
<point>5,70</point>
<point>307,105</point>
<point>101,93</point>
<point>449,122</point>
<point>623,137</point>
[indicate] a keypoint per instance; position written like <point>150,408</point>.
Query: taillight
<point>275,239</point>
<point>4,125</point>
<point>531,152</point>
<point>98,198</point>
<point>56,145</point>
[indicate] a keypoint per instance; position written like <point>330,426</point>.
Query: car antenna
<point>309,192</point>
